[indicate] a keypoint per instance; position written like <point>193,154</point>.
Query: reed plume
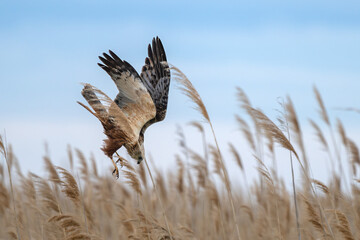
<point>189,90</point>
<point>189,201</point>
<point>69,186</point>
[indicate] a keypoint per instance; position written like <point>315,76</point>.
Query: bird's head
<point>137,152</point>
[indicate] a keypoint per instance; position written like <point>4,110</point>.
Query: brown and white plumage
<point>141,101</point>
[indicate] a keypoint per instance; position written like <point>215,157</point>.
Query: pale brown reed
<point>93,165</point>
<point>319,135</point>
<point>354,150</point>
<point>344,226</point>
<point>84,169</point>
<point>53,175</point>
<point>71,227</point>
<point>189,90</point>
<point>9,161</point>
<point>341,131</point>
<point>321,186</point>
<point>246,105</point>
<point>142,173</point>
<point>236,155</point>
<point>245,128</point>
<point>33,207</point>
<point>180,174</point>
<point>354,155</point>
<point>268,126</point>
<point>292,118</point>
<point>70,156</point>
<point>69,185</point>
<point>201,129</point>
<point>314,218</point>
<point>113,212</point>
<point>322,111</point>
<point>200,166</point>
<point>325,117</point>
<point>45,194</point>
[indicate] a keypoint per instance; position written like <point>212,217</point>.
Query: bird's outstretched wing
<point>133,98</point>
<point>155,75</point>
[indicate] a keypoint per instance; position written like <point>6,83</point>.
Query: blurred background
<point>270,49</point>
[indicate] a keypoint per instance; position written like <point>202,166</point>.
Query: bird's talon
<point>120,162</point>
<point>115,173</point>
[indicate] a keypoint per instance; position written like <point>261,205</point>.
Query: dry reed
<point>188,202</point>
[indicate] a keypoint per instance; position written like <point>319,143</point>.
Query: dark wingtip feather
<point>155,51</point>
<point>117,59</point>
<point>101,58</point>
<point>147,61</point>
<point>105,68</point>
<point>150,53</point>
<point>107,62</point>
<point>128,65</point>
<point>153,43</point>
<point>107,57</point>
<point>162,50</point>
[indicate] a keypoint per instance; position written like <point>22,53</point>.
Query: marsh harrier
<point>141,101</point>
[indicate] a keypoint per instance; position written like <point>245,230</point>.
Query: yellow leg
<point>116,170</point>
<point>120,160</point>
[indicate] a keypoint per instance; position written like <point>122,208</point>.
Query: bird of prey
<point>141,101</point>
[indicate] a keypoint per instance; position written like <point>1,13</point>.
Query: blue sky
<point>269,48</point>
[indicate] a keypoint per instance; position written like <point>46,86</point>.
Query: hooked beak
<point>142,151</point>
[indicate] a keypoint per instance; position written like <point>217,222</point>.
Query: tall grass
<point>81,203</point>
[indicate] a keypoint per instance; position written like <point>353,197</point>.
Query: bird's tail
<point>89,94</point>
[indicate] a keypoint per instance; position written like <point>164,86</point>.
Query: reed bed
<point>197,199</point>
